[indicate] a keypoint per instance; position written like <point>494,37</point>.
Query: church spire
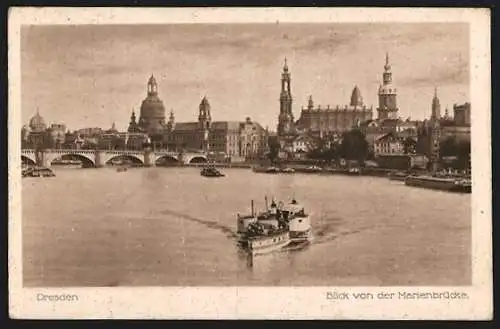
<point>436,106</point>
<point>387,65</point>
<point>310,103</point>
<point>387,76</point>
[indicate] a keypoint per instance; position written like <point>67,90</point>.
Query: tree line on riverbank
<point>353,146</point>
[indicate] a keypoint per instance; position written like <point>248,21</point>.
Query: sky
<point>94,75</point>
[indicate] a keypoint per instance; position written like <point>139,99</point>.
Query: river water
<point>173,227</point>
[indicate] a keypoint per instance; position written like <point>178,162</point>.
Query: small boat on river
<point>211,172</point>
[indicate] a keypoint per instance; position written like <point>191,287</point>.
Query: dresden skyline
<point>92,76</point>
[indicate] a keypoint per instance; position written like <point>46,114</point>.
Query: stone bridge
<point>99,158</point>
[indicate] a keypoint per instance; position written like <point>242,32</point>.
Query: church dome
<point>152,116</point>
<point>37,123</point>
<point>356,99</point>
<point>152,108</point>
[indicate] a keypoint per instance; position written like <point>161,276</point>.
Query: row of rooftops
<point>338,108</point>
<point>216,125</point>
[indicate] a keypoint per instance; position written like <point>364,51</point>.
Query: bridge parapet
<point>99,158</point>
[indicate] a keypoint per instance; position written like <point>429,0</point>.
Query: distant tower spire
<point>436,106</point>
<point>310,103</point>
<point>132,127</point>
<point>387,95</point>
<point>285,119</point>
<point>447,113</point>
<point>387,76</point>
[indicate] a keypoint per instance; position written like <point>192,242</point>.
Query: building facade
<point>37,134</point>
<point>322,121</point>
<point>439,128</point>
<point>316,121</point>
<point>389,144</point>
<point>232,139</point>
<point>461,114</point>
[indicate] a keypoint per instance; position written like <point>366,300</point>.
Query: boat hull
<point>448,185</point>
<point>301,236</point>
<point>397,178</point>
<point>268,244</point>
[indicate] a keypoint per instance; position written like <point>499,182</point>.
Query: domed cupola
<point>37,123</point>
<point>152,116</point>
<point>356,98</point>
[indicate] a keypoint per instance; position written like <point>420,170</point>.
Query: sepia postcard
<point>250,163</point>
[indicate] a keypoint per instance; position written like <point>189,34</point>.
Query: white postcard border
<point>261,302</point>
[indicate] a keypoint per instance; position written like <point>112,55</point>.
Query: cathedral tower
<point>285,119</point>
<point>436,107</point>
<point>387,104</point>
<point>204,121</point>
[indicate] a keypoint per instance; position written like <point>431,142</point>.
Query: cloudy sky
<point>87,76</point>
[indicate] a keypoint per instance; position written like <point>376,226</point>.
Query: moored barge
<point>459,185</point>
<point>38,172</point>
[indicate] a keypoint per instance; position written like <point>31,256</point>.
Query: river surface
<point>173,227</point>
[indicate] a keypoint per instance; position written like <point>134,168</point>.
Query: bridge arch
<point>197,159</point>
<point>132,157</point>
<point>166,158</point>
<point>27,160</point>
<point>87,160</point>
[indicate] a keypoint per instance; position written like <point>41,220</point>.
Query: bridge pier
<point>149,158</point>
<point>43,159</point>
<point>99,159</point>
